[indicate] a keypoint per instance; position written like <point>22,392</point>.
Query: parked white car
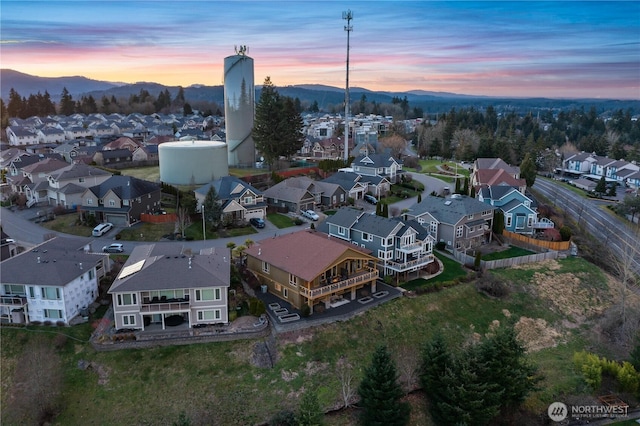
<point>102,229</point>
<point>310,214</point>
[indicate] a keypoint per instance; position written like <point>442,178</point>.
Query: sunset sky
<point>553,49</point>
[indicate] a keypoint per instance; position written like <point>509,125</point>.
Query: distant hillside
<point>328,97</point>
<point>26,84</point>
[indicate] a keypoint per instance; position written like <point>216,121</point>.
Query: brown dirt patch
<point>535,334</point>
<point>551,265</point>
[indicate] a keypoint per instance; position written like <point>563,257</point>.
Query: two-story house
<point>120,200</point>
<point>67,185</point>
<point>520,215</point>
<point>239,200</point>
<point>460,222</point>
<point>401,246</point>
<point>114,156</point>
<point>307,268</point>
<point>381,165</point>
<point>21,136</point>
<point>54,281</point>
<point>165,286</point>
<point>289,195</point>
<point>355,185</point>
<point>35,184</point>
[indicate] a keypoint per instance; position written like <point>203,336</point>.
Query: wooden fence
<point>551,245</point>
<point>158,218</point>
<point>505,263</point>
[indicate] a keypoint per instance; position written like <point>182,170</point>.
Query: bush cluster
<point>592,366</point>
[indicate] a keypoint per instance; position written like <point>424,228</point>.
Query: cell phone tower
<point>348,16</point>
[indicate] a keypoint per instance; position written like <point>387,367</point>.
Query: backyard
<point>153,386</point>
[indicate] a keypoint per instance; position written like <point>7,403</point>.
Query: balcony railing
<point>410,265</point>
<point>544,223</point>
<point>13,301</point>
<point>165,307</point>
<point>339,285</point>
<point>410,248</point>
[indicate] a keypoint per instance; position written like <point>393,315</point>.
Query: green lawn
<point>506,254</point>
<point>280,220</point>
<point>452,270</point>
<point>431,166</point>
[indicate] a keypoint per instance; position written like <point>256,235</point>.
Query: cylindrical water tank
<point>239,105</point>
<point>192,162</point>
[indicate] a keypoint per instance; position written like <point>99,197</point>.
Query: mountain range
<point>326,96</point>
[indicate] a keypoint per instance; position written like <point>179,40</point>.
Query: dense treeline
<point>467,134</point>
<point>143,102</point>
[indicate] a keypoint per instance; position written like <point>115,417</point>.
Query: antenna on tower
<point>348,16</point>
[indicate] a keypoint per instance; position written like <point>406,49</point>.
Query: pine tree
<point>380,393</point>
<point>265,125</point>
<point>385,210</point>
<point>309,412</point>
<point>436,358</point>
<point>601,187</point>
<point>528,170</point>
<point>465,189</point>
<point>15,106</point>
<point>66,106</point>
<point>212,207</point>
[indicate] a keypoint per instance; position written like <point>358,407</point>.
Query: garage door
<point>117,219</point>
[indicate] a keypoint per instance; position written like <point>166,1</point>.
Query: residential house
<point>21,136</point>
<point>289,196</point>
<point>325,194</point>
<point>239,200</point>
<point>34,183</point>
<point>76,132</point>
<point>50,134</point>
<point>495,164</point>
<point>460,222</point>
<point>379,165</point>
<point>401,246</point>
<point>67,185</point>
<point>307,268</point>
<point>520,215</point>
<point>121,143</point>
<point>578,164</point>
<point>484,178</point>
<point>166,285</point>
<point>148,153</point>
<point>115,156</point>
<point>353,184</point>
<point>54,281</point>
<point>121,199</point>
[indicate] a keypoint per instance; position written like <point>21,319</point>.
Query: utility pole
<point>204,233</point>
<point>348,16</point>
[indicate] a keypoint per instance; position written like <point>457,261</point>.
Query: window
<point>32,292</point>
<point>341,230</point>
<point>14,289</point>
<point>126,299</point>
<point>208,294</point>
<point>470,217</point>
<point>459,231</point>
<point>367,237</point>
<point>79,179</point>
<point>433,227</point>
<point>53,313</point>
<point>112,203</point>
<point>248,200</point>
<point>293,280</point>
<point>129,320</point>
<point>507,220</point>
<point>209,315</point>
<point>50,293</point>
<point>89,201</point>
<point>92,274</point>
<point>486,213</point>
<point>285,293</point>
<point>530,221</point>
<point>278,287</point>
<point>265,267</point>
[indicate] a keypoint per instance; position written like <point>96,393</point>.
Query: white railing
<point>412,264</point>
<point>408,248</point>
<point>328,289</point>
<point>13,300</point>
<point>165,307</point>
<point>544,223</point>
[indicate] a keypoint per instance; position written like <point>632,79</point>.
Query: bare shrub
<point>492,286</point>
<point>59,341</point>
<point>37,385</point>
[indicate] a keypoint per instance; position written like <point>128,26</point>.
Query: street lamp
<point>204,233</point>
<point>348,16</point>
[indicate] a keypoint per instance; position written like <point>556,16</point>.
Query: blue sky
<point>552,49</point>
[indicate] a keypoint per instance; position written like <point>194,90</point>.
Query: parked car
<point>113,248</point>
<point>102,229</point>
<point>257,222</point>
<point>310,214</point>
<point>370,199</point>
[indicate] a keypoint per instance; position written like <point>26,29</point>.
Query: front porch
<point>14,310</point>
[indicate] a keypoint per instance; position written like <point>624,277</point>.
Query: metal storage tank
<point>192,162</point>
<point>239,106</point>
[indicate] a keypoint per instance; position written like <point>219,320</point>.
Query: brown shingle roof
<point>305,254</point>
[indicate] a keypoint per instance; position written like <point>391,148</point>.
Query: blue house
<point>520,215</point>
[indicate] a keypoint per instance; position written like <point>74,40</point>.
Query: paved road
<point>618,235</point>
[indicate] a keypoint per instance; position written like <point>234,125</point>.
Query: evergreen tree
<point>309,412</point>
<point>267,118</point>
<point>385,210</point>
<point>67,105</point>
<point>612,190</point>
<point>528,170</point>
<point>465,189</point>
<point>498,221</point>
<point>506,365</point>
<point>634,356</point>
<point>292,124</point>
<point>380,393</point>
<point>212,207</point>
<point>436,358</point>
<point>14,107</point>
<point>601,187</point>
<point>457,190</point>
<point>4,116</point>
<point>419,198</point>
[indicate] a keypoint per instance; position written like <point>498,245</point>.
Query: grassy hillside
<point>218,384</point>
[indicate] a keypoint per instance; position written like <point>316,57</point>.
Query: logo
<point>557,411</point>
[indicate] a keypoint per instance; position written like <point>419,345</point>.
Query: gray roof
<point>125,187</point>
<point>448,210</point>
<point>282,191</point>
<point>78,170</point>
<point>55,262</point>
<point>224,187</point>
<point>344,217</point>
<point>384,159</point>
<point>165,268</point>
<point>376,225</point>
